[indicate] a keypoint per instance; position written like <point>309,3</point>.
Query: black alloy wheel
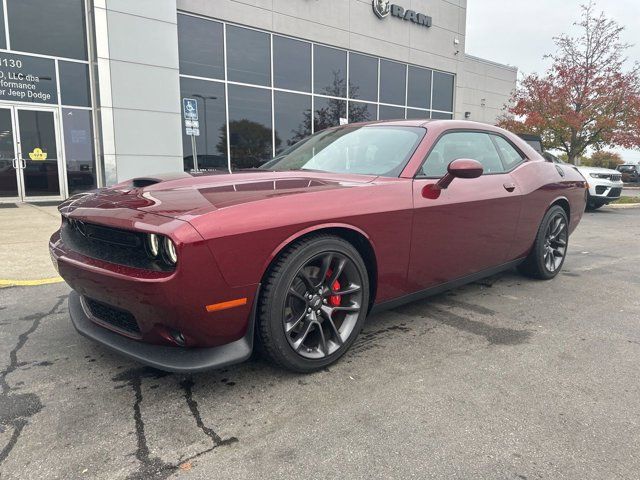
<point>555,243</point>
<point>550,246</point>
<point>323,304</point>
<point>315,299</point>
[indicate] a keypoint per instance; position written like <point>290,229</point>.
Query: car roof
<point>439,124</point>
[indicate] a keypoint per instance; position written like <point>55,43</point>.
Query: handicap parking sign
<point>190,108</point>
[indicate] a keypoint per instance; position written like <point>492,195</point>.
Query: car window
<point>452,146</point>
<point>510,156</point>
<point>368,150</point>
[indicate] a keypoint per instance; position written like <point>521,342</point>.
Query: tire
<point>550,246</point>
<point>305,334</point>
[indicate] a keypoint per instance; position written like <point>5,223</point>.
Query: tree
<point>604,159</point>
<point>586,99</point>
<point>250,143</point>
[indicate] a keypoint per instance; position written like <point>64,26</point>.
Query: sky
<point>520,33</point>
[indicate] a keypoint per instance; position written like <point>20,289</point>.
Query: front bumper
<point>604,190</point>
<point>168,358</point>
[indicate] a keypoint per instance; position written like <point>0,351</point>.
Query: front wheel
<point>313,304</point>
<point>550,246</point>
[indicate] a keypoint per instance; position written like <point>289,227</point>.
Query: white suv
<point>605,185</point>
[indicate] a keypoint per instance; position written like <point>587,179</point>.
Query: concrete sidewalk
<point>24,244</point>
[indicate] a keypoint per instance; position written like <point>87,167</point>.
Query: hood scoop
<point>141,182</point>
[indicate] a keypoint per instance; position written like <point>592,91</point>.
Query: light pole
<point>204,102</point>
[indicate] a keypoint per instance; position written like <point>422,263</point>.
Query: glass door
<point>9,163</point>
<point>38,153</point>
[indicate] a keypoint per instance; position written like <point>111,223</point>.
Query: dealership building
<point>93,92</point>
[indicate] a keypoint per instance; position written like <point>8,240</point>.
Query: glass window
<point>42,91</point>
<point>419,87</point>
<point>327,112</point>
<point>74,83</point>
<point>441,116</point>
<point>413,114</point>
<point>3,37</point>
<point>385,112</point>
<point>362,112</point>
<point>200,47</point>
<point>249,57</point>
<point>49,27</point>
<point>78,150</point>
<point>291,64</point>
<point>367,150</point>
<point>442,91</point>
<point>363,77</point>
<point>249,126</point>
<point>292,118</point>
<point>211,145</point>
<point>510,156</point>
<point>330,71</point>
<point>8,179</point>
<point>393,82</point>
<point>452,146</point>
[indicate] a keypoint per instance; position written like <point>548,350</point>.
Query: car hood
<point>597,170</point>
<point>185,196</point>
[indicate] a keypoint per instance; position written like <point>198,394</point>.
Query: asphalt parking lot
<point>505,378</point>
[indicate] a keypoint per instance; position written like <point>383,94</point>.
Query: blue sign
<point>190,108</point>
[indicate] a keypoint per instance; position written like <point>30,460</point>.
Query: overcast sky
<point>520,33</point>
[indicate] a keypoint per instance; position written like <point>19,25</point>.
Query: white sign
<point>192,123</point>
<point>193,131</point>
<point>343,121</point>
<point>190,108</point>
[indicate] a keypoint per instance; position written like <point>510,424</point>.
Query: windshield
<point>368,150</point>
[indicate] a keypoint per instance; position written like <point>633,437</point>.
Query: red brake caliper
<point>334,300</point>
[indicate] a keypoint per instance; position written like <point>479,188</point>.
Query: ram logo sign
<point>382,8</point>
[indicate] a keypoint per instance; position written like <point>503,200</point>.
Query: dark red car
<point>186,273</point>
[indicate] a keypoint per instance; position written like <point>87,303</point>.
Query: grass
<point>626,200</point>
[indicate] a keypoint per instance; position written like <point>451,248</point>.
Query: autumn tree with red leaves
<point>586,99</point>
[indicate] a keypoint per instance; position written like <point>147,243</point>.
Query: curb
<point>29,283</point>
<point>624,205</point>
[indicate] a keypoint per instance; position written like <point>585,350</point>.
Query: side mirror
<point>460,168</point>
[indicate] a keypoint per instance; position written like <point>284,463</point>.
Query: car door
<point>470,226</point>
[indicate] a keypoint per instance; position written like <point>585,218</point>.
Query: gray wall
<point>138,85</point>
<point>486,88</point>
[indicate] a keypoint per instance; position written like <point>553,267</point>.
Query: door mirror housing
<point>460,168</point>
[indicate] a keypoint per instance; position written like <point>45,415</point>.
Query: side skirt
<point>443,287</point>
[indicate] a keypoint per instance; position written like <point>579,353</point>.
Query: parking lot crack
<point>187,385</point>
<point>16,409</point>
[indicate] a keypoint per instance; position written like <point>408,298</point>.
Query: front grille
<point>614,192</point>
<point>116,317</point>
<point>615,177</point>
<point>114,245</point>
<point>600,189</point>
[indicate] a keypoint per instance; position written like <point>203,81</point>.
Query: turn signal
<point>216,307</point>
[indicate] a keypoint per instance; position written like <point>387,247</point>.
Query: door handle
<point>509,187</point>
<point>14,162</point>
<point>23,163</point>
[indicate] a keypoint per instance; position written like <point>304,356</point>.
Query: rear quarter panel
<point>541,185</point>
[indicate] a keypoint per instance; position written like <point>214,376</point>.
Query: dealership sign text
<point>384,8</point>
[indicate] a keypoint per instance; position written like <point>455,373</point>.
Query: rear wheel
<point>550,247</point>
<point>314,303</point>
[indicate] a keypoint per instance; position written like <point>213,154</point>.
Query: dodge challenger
<point>187,272</point>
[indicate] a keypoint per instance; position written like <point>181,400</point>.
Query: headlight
<point>599,175</point>
<point>153,244</point>
<point>170,251</point>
